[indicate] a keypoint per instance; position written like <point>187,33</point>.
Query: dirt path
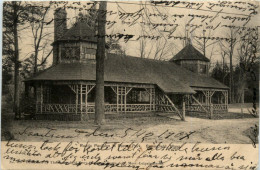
<point>146,129</point>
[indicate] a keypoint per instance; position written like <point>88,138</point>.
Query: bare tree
<point>223,56</point>
<point>205,44</point>
<point>40,36</point>
<point>142,45</point>
<point>248,55</point>
<point>163,49</point>
<point>15,14</point>
<point>204,41</point>
<point>228,47</point>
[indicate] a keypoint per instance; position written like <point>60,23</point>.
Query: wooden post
<point>117,99</point>
<point>81,99</point>
<point>150,98</point>
<point>77,96</point>
<point>154,95</point>
<point>121,98</point>
<point>125,97</point>
<point>211,111</point>
<point>210,97</point>
<point>226,99</point>
<point>183,110</point>
<point>41,97</point>
<point>86,99</point>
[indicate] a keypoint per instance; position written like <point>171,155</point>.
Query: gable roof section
<point>79,31</point>
<point>168,76</point>
<point>189,53</point>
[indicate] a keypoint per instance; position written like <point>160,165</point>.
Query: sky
<point>209,16</point>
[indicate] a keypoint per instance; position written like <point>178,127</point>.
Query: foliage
<point>113,46</point>
<point>7,68</point>
<point>248,57</point>
<point>221,73</point>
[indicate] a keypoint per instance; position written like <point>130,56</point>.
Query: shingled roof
<point>79,31</point>
<point>189,53</point>
<point>168,76</point>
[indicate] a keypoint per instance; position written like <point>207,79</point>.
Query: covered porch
<point>208,100</point>
<point>77,99</point>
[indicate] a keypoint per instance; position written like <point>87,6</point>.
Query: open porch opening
<point>208,100</point>
<point>80,98</point>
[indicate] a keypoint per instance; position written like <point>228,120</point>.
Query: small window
<point>89,53</point>
<point>70,53</point>
<point>203,69</point>
<point>191,67</point>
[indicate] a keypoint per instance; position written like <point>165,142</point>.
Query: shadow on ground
<point>217,116</point>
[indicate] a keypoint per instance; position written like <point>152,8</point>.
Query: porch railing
<point>57,108</point>
<point>216,108</point>
<point>109,108</point>
<point>165,108</point>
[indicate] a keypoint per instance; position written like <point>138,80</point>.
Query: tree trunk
<point>35,64</point>
<point>231,87</point>
<point>100,57</point>
<point>16,64</point>
<point>241,90</point>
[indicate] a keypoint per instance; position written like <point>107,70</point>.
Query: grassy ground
<point>233,128</point>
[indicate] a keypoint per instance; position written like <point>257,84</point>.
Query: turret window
<point>203,69</point>
<point>89,53</point>
<point>70,53</point>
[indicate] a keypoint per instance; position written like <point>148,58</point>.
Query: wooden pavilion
<point>65,91</point>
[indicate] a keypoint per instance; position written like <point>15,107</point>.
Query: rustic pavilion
<point>65,91</point>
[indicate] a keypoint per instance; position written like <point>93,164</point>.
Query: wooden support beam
<point>128,90</point>
<point>81,99</point>
<point>183,110</point>
<point>176,109</point>
<point>68,82</point>
<point>77,96</point>
<point>117,99</point>
<point>207,89</point>
<point>89,88</point>
<point>211,111</point>
<point>73,87</point>
<point>86,99</point>
<point>153,93</point>
<point>125,93</point>
<point>200,104</point>
<point>211,93</point>
<point>41,96</point>
<point>150,99</point>
<point>225,94</point>
<point>114,89</point>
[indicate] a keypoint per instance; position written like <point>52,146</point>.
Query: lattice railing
<point>220,107</point>
<point>57,108</point>
<point>165,108</point>
<point>198,108</point>
<point>109,108</point>
<point>138,107</point>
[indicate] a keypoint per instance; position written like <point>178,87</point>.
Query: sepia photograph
<point>130,85</point>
